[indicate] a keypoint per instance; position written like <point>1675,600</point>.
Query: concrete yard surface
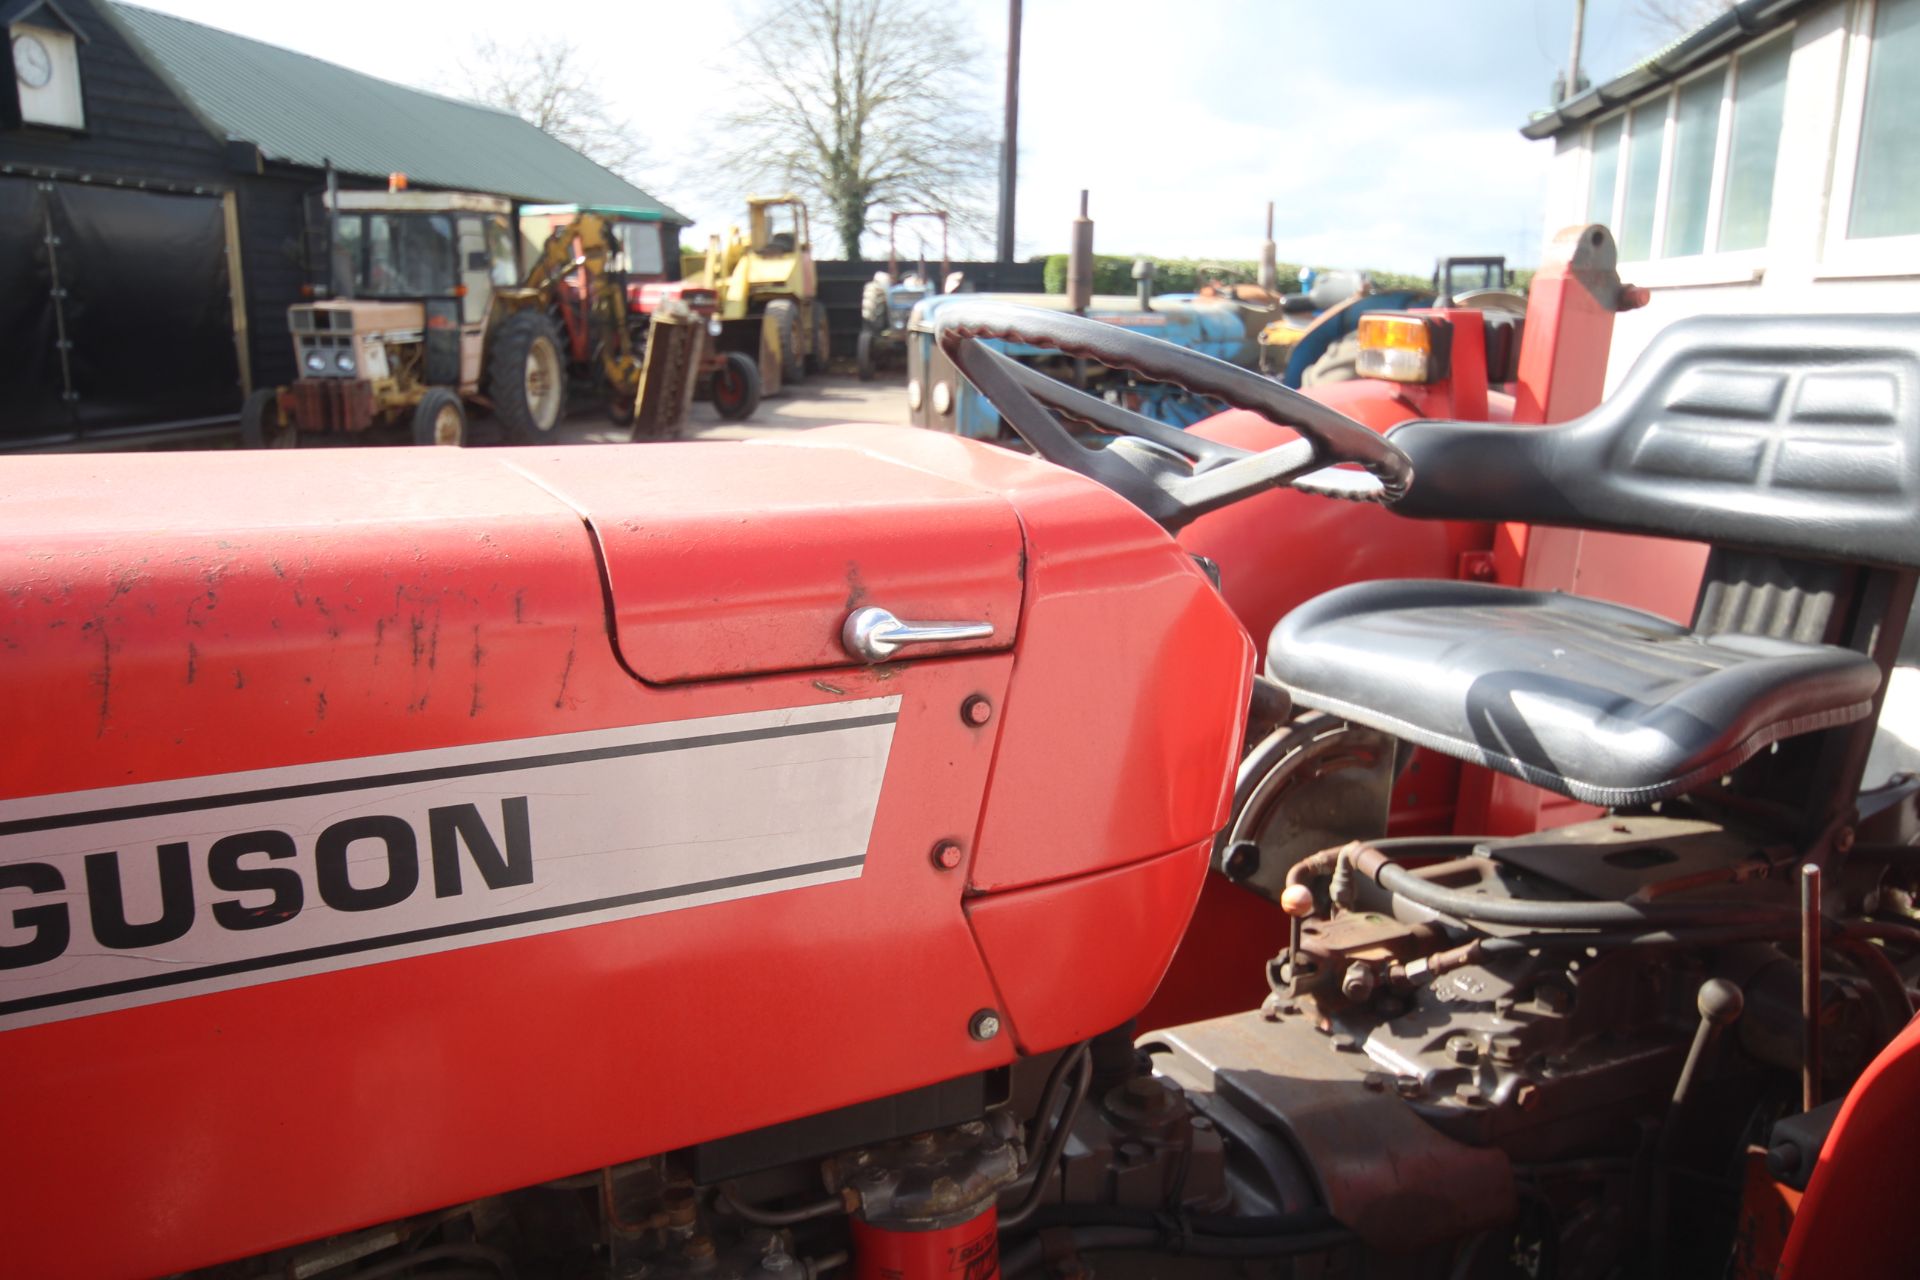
<point>820,401</point>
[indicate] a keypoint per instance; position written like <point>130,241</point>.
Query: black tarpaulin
<point>147,306</point>
<point>31,407</point>
<point>137,282</point>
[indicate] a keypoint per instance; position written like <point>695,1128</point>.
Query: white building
<point>1769,161</point>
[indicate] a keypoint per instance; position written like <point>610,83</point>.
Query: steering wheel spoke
<point>1172,475</point>
<point>1112,419</point>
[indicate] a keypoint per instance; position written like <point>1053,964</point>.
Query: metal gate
<point>115,312</point>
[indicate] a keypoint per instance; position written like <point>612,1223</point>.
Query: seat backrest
<point>1793,435</point>
<point>1790,444</point>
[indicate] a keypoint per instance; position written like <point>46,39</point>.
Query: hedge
<point>1112,274</point>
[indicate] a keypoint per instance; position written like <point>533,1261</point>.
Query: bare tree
<point>862,104</point>
<point>1671,19</point>
<point>544,83</point>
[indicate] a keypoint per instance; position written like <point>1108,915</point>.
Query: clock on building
<point>31,62</point>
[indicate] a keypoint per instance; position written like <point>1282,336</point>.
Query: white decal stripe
<point>292,791</point>
<point>157,891</point>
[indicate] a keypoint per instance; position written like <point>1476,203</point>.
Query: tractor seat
<point>1789,444</point>
<point>1603,703</point>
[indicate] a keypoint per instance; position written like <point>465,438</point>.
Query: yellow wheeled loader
<point>769,296</point>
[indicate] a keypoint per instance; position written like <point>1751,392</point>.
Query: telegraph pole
<point>1573,54</point>
<point>1010,143</point>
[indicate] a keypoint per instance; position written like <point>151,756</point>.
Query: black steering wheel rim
<point>1024,396</point>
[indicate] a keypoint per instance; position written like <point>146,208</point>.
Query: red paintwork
<point>172,615</point>
<point>645,296</point>
<point>1562,370</point>
<point>1221,964</point>
<point>1106,591</point>
<point>1280,549</point>
<point>1044,944</point>
<point>967,1250</point>
<point>1850,1222</point>
<point>790,573</point>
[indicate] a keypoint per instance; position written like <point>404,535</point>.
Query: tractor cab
<point>424,245</point>
<point>645,245</point>
<point>779,225</point>
<point>775,260</point>
<point>1476,282</point>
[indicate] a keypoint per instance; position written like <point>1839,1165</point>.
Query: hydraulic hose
<point>780,1217</point>
<point>1375,861</point>
<point>1079,1061</point>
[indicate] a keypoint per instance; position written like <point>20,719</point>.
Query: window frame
<point>1840,255</point>
<point>1712,265</point>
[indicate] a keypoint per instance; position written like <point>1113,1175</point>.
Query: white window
<point>1687,173</point>
<point>1873,222</point>
<point>1696,138</point>
<point>1605,149</point>
<point>1646,133</point>
<point>1759,106</point>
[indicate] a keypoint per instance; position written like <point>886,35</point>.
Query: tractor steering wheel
<point>1172,475</point>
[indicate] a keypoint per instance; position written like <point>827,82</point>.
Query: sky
<point>1386,132</point>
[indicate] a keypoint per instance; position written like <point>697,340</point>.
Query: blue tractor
<point>888,299</point>
<point>1223,321</point>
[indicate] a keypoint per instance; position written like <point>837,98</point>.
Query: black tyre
<point>440,419</point>
<point>821,346</point>
<point>260,424</point>
<point>736,387</point>
<point>863,355</point>
<point>786,318</point>
<point>527,376</point>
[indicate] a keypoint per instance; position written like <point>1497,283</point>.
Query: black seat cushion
<point>1606,704</point>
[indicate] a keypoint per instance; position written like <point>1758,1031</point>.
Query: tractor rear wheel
<point>863,355</point>
<point>440,419</point>
<point>786,318</point>
<point>736,387</point>
<point>821,347</point>
<point>260,424</point>
<point>526,376</point>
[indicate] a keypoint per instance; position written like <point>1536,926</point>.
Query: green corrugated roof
<point>299,109</point>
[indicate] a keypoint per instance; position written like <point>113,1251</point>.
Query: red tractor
<point>608,274</point>
<point>730,379</point>
<point>754,861</point>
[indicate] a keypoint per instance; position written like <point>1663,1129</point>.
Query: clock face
<point>31,62</point>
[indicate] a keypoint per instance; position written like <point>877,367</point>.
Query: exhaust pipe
<point>1269,271</point>
<point>1080,262</point>
<point>335,288</point>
